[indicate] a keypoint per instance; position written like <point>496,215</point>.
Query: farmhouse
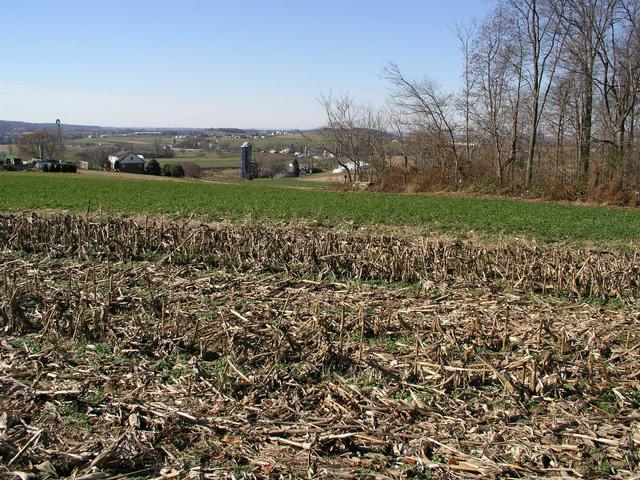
<point>362,166</point>
<point>127,162</point>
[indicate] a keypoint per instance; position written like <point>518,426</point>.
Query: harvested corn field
<point>320,252</point>
<point>149,349</point>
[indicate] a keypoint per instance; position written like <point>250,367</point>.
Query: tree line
<point>549,100</point>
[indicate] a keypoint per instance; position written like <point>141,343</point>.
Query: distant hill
<point>10,126</point>
<point>10,130</point>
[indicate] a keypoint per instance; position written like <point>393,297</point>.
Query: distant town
<point>196,153</point>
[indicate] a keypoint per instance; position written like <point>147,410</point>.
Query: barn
<point>127,162</point>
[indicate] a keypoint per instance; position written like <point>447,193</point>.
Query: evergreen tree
<point>153,167</point>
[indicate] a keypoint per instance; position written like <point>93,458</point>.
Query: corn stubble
<point>315,251</point>
<point>162,349</point>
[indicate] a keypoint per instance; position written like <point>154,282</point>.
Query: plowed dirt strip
<point>155,369</point>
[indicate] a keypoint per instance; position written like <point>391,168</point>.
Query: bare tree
<point>375,131</point>
<point>551,92</point>
<point>355,134</point>
<point>516,98</point>
<point>620,59</point>
<point>496,66</point>
<point>400,132</point>
<point>43,144</point>
<point>466,35</point>
<point>587,22</point>
<point>543,37</point>
<point>560,103</point>
<point>427,108</point>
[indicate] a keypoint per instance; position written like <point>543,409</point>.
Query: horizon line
<point>131,127</point>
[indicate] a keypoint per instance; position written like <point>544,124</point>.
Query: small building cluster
<point>14,163</point>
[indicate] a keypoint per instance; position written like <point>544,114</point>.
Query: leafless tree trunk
<point>515,131</point>
<point>496,66</point>
<point>586,22</point>
<point>465,34</point>
<point>560,102</point>
<point>544,37</point>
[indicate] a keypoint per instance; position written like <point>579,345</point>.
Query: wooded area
<point>548,105</point>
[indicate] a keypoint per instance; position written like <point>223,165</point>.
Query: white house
<point>127,162</point>
<point>352,166</point>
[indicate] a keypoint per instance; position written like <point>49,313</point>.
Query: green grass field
<point>262,201</point>
<point>208,160</point>
<point>290,183</point>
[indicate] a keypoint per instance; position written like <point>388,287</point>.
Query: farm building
<point>15,162</point>
<point>41,164</point>
<point>362,166</point>
<point>248,166</point>
<point>127,162</point>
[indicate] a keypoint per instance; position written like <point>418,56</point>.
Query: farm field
<point>136,348</point>
<point>142,140</point>
<point>314,182</point>
<point>223,177</point>
<point>282,141</point>
<point>264,202</point>
<point>205,160</point>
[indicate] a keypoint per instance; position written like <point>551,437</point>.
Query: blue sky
<point>216,63</point>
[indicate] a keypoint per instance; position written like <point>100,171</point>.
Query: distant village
<point>266,153</point>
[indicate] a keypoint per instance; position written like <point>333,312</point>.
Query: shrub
<point>561,191</point>
<point>153,167</point>
<point>177,171</point>
<point>397,179</point>
<point>192,170</point>
<point>45,168</point>
<point>272,164</point>
<point>166,170</point>
<point>105,164</point>
<point>296,167</point>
